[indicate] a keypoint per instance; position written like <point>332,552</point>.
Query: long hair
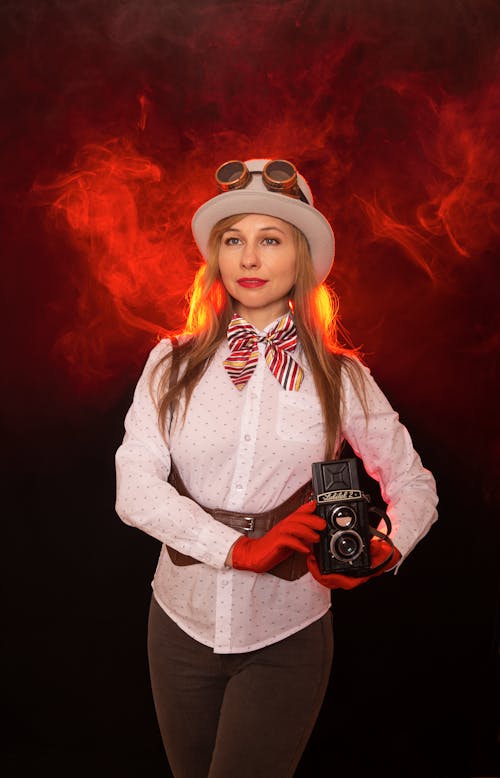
<point>315,312</point>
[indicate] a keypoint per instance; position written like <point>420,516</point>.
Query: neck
<point>260,318</point>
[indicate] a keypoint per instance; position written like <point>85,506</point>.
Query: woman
<point>216,461</point>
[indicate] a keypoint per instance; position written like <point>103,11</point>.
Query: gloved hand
<point>297,532</point>
<point>379,550</point>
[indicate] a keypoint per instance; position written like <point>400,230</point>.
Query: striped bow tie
<point>280,341</point>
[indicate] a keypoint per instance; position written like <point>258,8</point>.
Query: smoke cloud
<point>120,112</point>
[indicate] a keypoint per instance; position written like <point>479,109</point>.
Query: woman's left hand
<point>379,550</point>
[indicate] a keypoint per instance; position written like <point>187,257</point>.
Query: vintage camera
<point>344,546</point>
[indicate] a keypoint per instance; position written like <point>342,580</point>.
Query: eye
<point>231,241</point>
<point>271,241</point>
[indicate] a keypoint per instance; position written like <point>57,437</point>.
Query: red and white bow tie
<point>280,341</point>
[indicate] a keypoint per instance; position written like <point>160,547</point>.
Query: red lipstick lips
<point>251,283</point>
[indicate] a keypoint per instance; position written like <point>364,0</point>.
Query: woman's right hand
<point>297,532</point>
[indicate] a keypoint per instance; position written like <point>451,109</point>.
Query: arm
<point>145,499</point>
<point>384,445</point>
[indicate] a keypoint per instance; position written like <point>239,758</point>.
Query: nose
<point>250,256</point>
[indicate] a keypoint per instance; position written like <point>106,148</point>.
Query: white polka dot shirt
<point>248,451</point>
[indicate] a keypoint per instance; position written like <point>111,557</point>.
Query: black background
<point>374,98</point>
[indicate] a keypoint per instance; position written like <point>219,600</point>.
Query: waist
<point>252,524</point>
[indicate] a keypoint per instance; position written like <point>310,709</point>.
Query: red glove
<point>379,550</point>
<point>296,532</point>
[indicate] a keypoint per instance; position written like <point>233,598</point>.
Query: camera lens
<point>343,517</point>
<point>346,545</point>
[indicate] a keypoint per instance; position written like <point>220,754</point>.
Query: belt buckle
<point>251,524</point>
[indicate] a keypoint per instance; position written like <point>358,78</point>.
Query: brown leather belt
<point>254,525</point>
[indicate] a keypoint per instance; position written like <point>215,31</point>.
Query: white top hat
<point>255,197</point>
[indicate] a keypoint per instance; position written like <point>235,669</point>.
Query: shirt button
<point>239,487</point>
<point>248,437</point>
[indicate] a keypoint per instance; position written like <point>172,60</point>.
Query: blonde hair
<point>315,311</point>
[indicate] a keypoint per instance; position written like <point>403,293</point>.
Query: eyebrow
<point>261,229</point>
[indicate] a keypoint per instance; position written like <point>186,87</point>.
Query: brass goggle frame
<point>278,175</point>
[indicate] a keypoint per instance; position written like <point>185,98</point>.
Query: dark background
<point>115,115</point>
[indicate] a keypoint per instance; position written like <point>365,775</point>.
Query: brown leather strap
<point>254,525</point>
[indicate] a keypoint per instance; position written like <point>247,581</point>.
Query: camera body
<point>344,546</point>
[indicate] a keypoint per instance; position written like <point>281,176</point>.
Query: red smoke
<point>402,159</point>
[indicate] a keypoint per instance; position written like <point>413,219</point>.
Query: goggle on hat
<point>274,188</point>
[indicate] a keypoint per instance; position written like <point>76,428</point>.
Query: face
<point>257,263</point>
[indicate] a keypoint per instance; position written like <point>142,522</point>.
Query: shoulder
<point>158,360</point>
<point>360,388</point>
<point>164,347</point>
<point>354,370</point>
<point>158,353</point>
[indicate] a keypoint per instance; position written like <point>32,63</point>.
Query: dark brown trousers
<point>248,715</point>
